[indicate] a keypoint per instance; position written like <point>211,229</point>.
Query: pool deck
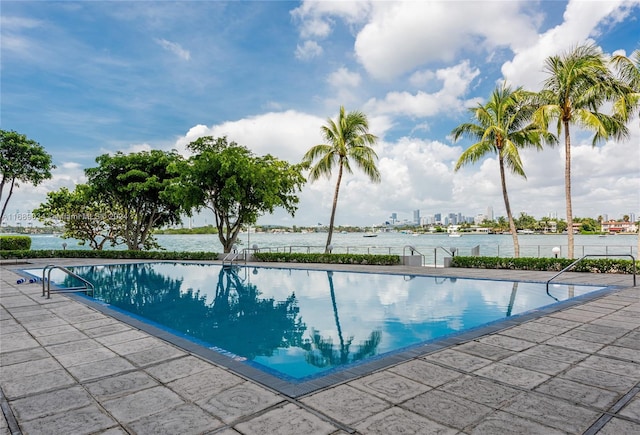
<point>67,368</point>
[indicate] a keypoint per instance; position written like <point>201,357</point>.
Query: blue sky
<point>87,78</point>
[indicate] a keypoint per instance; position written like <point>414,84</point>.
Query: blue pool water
<point>301,323</point>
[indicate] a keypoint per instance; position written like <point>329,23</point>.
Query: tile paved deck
<point>68,368</point>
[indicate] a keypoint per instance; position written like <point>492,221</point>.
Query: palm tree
<point>502,127</point>
<point>628,69</point>
<point>347,140</point>
<point>578,84</point>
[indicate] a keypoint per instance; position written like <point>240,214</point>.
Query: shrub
<point>283,257</point>
<point>113,254</point>
<point>605,265</point>
<point>10,243</point>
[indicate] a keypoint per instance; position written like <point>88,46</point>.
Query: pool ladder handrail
<point>88,286</point>
<point>633,262</point>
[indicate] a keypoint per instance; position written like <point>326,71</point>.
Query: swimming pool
<point>300,325</point>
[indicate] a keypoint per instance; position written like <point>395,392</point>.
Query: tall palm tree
<point>628,69</point>
<point>347,141</point>
<point>502,127</point>
<point>579,83</point>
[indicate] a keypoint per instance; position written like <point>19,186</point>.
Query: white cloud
<point>315,17</point>
<point>308,50</point>
<point>455,83</point>
<point>174,48</point>
<point>581,21</point>
<point>404,35</point>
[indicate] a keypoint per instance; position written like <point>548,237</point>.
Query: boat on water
<point>455,234</point>
<point>370,235</point>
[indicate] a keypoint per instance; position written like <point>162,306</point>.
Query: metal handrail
<point>230,257</point>
<point>633,261</point>
<point>88,286</point>
<point>413,251</point>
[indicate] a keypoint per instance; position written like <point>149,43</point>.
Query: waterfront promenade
<point>66,368</point>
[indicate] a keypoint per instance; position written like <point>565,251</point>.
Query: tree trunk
<point>507,206</point>
<point>6,201</point>
<point>567,188</point>
<point>333,210</point>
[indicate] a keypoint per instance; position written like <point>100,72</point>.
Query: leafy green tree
<point>347,141</point>
<point>578,84</point>
<point>502,127</point>
<point>86,216</point>
<point>21,160</point>
<point>235,185</point>
<point>135,185</point>
<point>628,69</point>
<point>526,222</point>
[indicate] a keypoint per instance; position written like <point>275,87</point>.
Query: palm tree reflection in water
<point>321,351</point>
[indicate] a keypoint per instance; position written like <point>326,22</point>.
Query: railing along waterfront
<point>435,255</point>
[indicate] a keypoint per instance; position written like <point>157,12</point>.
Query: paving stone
<point>579,393</point>
<point>482,350</point>
<point>545,328</point>
<point>17,341</point>
<point>142,403</point>
<point>85,356</point>
<point>512,375</point>
<point>99,369</point>
<point>611,365</point>
<point>575,344</point>
<point>11,327</point>
<point>52,330</point>
<point>53,402</point>
<point>618,426</point>
<point>632,409</point>
<point>116,386</point>
<point>20,356</point>
<point>155,355</point>
<point>589,336</point>
<point>596,378</point>
<point>602,330</point>
<point>425,372</point>
<point>505,423</point>
<point>184,420</point>
<point>346,404</point>
<point>107,330</point>
<point>558,323</point>
<point>628,342</point>
<point>80,421</point>
<point>536,363</point>
<point>25,385</point>
<point>286,420</point>
<point>556,353</point>
<point>205,384</point>
<point>506,342</point>
<point>616,323</point>
<point>93,321</point>
<point>121,337</point>
<point>459,360</point>
<point>552,412</point>
<point>527,334</point>
<point>447,409</point>
<point>621,353</point>
<point>239,401</point>
<point>389,386</point>
<point>74,346</point>
<point>66,337</point>
<point>132,346</point>
<point>400,421</point>
<point>481,391</point>
<point>178,368</point>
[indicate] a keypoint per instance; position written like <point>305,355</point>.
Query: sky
<point>88,78</point>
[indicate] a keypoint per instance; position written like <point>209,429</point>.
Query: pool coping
<point>295,389</point>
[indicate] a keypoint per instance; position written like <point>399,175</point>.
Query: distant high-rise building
<point>489,213</point>
<point>437,218</point>
<point>416,217</point>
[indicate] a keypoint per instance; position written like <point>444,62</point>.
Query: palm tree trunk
<point>507,206</point>
<point>567,188</point>
<point>333,210</point>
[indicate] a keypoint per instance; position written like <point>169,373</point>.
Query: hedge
<point>283,257</point>
<point>113,254</point>
<point>606,265</point>
<point>10,243</point>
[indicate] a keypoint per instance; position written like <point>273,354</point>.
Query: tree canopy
<point>236,185</point>
<point>21,160</point>
<point>135,185</point>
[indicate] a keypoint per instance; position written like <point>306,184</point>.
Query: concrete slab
<point>185,419</point>
<point>580,393</point>
<point>401,421</point>
<point>131,407</point>
<point>241,400</point>
<point>389,386</point>
<point>448,409</point>
<point>425,372</point>
<point>346,404</point>
<point>288,419</point>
